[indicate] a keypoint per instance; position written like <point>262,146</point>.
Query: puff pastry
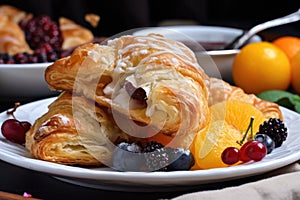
<point>14,14</point>
<point>74,132</point>
<point>223,91</point>
<point>12,38</point>
<point>73,34</point>
<point>173,90</point>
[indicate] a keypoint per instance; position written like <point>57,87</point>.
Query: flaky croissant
<point>73,34</point>
<point>14,14</point>
<point>73,131</point>
<point>223,91</point>
<point>12,38</point>
<point>152,84</point>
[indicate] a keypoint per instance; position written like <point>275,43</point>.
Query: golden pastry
<point>73,131</point>
<point>14,14</point>
<point>153,85</point>
<point>73,34</point>
<point>12,38</point>
<point>92,19</point>
<point>223,91</point>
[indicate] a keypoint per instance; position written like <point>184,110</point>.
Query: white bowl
<point>23,81</point>
<point>216,63</point>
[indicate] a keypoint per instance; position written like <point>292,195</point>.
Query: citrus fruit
<point>289,44</point>
<point>295,65</point>
<point>261,66</point>
<point>228,121</point>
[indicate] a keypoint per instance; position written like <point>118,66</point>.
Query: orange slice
<point>229,120</point>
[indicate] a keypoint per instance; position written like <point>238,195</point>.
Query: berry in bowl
<point>28,45</point>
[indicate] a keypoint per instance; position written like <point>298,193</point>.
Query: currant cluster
<point>152,157</point>
<point>271,135</point>
<point>44,38</point>
<point>40,30</point>
<point>42,55</point>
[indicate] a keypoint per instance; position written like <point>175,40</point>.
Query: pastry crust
<point>12,38</point>
<point>175,87</point>
<point>73,34</point>
<point>74,132</point>
<point>14,14</point>
<point>223,91</point>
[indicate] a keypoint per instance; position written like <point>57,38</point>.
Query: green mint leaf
<point>283,98</point>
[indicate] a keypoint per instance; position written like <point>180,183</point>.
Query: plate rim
<point>136,178</point>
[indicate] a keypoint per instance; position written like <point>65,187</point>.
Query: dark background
<point>120,15</point>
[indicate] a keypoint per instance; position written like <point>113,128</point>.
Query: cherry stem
<point>250,127</point>
<point>11,112</point>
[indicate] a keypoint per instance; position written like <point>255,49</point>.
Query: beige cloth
<point>281,184</point>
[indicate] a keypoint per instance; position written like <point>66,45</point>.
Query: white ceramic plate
<point>23,81</point>
<point>106,178</point>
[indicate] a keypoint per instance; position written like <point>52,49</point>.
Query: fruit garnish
<point>276,129</point>
<point>128,157</point>
<point>230,155</point>
<point>283,98</point>
<point>152,157</point>
<point>252,150</point>
<point>266,140</point>
<point>271,134</point>
<point>13,129</point>
<point>228,121</point>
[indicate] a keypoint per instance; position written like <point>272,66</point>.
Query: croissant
<point>12,38</point>
<point>14,14</point>
<point>223,91</point>
<point>74,132</point>
<point>73,34</point>
<point>152,84</point>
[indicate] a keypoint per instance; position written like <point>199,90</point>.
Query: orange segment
<point>229,120</point>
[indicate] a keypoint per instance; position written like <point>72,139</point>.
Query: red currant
<point>14,130</point>
<point>230,155</point>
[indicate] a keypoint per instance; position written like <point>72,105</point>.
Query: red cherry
<point>230,155</point>
<point>256,150</point>
<point>14,130</point>
<point>253,150</point>
<point>243,155</point>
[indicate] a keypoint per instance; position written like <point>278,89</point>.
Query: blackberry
<point>128,157</point>
<point>157,160</point>
<point>181,159</point>
<point>156,156</point>
<point>276,129</point>
<point>152,146</point>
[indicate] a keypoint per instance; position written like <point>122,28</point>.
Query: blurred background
<point>118,16</point>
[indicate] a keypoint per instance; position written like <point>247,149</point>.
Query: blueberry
<point>182,159</point>
<point>128,157</point>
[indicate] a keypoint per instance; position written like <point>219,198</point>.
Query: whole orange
<point>295,65</point>
<point>261,66</point>
<point>289,44</point>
